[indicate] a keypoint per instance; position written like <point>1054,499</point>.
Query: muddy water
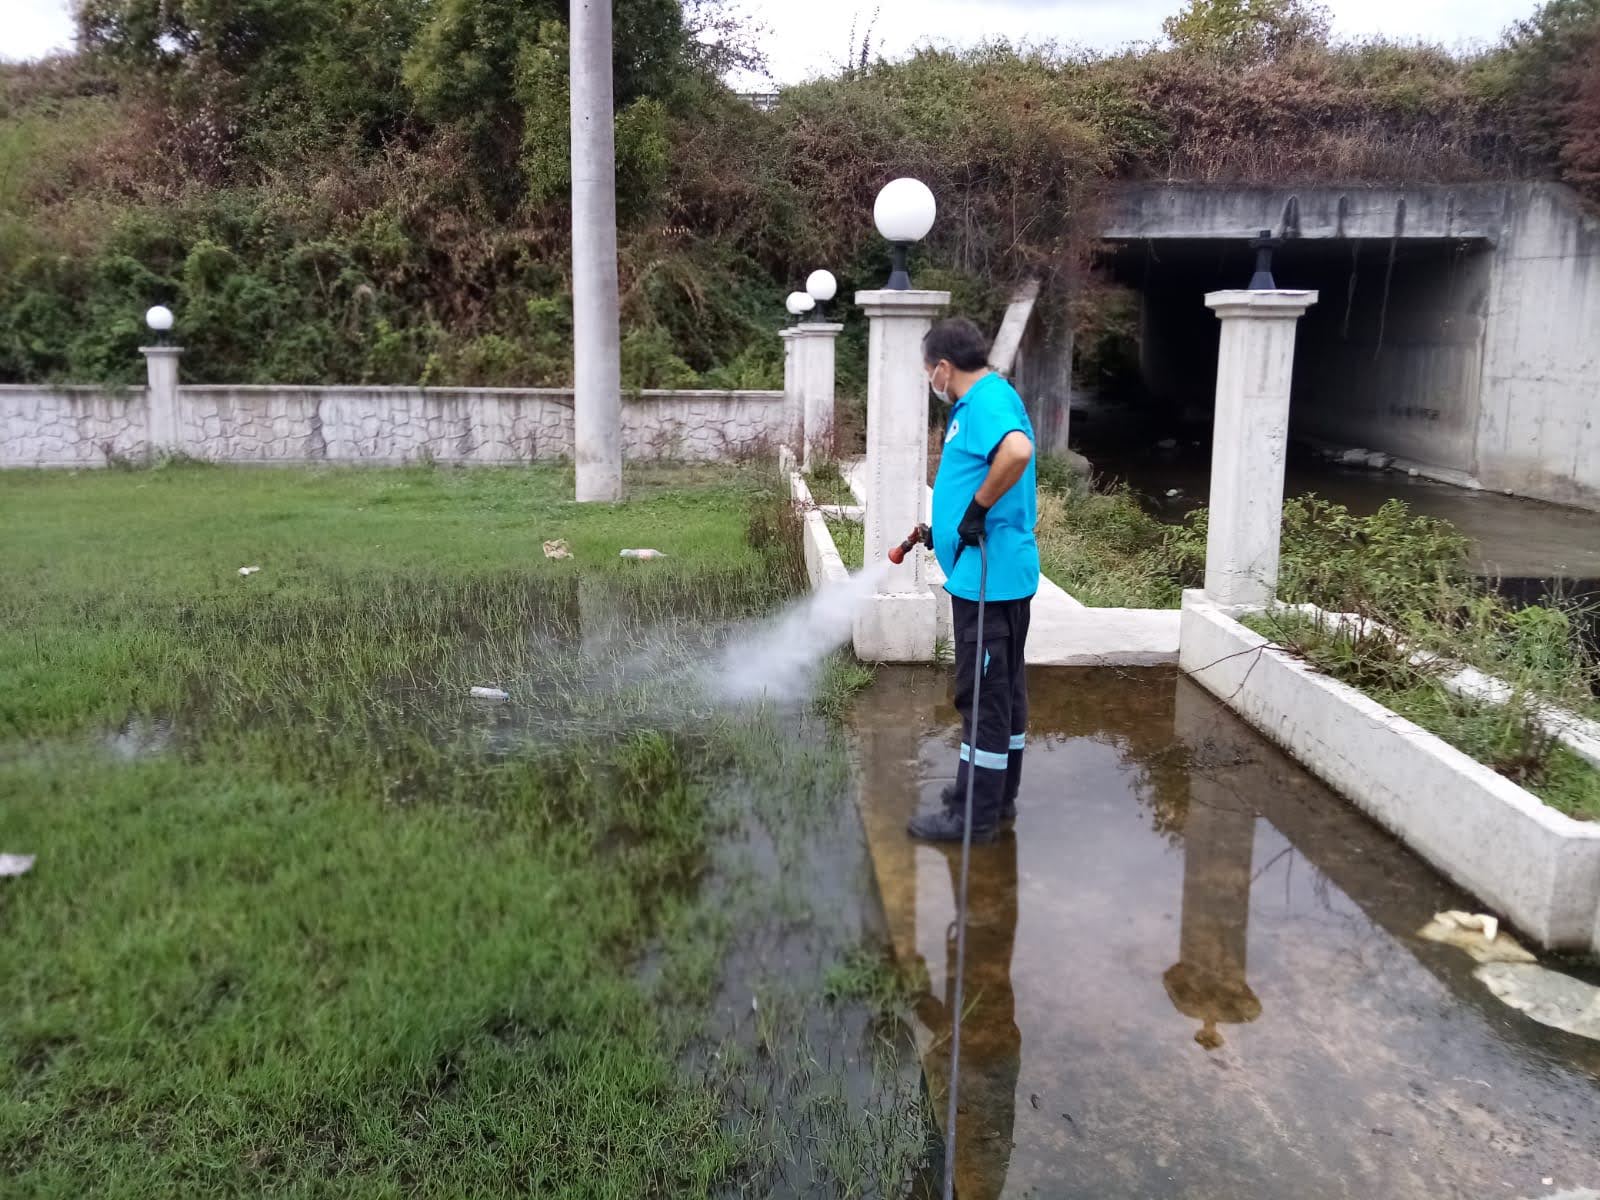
<point>1193,971</point>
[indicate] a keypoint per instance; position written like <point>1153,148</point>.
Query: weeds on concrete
<point>1402,659</point>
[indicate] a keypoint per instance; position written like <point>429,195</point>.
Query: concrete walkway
<point>1066,633</point>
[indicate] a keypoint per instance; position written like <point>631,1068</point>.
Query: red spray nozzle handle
<point>919,536</point>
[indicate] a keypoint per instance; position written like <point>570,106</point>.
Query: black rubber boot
<point>947,825</point>
<point>955,800</point>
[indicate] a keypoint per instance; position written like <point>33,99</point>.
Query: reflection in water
<point>991,1043</point>
<point>1208,980</point>
<point>1344,1056</point>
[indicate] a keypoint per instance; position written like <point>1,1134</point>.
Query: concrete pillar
<point>164,430</point>
<point>596,365</point>
<point>1249,439</point>
<point>793,405</point>
<point>813,347</point>
<point>897,623</point>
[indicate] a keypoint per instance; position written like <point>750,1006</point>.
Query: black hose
<point>961,892</point>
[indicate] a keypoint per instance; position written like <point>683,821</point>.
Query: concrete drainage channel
<point>1537,867</point>
<point>1202,972</point>
<point>1196,971</point>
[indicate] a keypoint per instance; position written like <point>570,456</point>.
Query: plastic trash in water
<point>557,548</point>
<point>643,554</point>
<point>247,571</point>
<point>15,864</point>
<point>1560,1001</point>
<point>1478,934</point>
<point>489,693</point>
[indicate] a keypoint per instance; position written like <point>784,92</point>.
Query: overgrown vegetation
<point>1409,673</point>
<point>1103,548</point>
<point>305,910</point>
<point>375,190</point>
<point>827,484</point>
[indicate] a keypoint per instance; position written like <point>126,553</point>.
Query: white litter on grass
<point>248,570</point>
<point>1478,934</point>
<point>15,864</point>
<point>642,554</point>
<point>557,548</point>
<point>489,693</point>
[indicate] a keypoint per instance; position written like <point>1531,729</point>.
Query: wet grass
<point>345,928</point>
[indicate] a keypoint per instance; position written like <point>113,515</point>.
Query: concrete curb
<point>823,564</point>
<point>1537,867</point>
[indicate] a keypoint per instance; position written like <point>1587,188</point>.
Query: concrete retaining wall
<point>1459,326</point>
<point>1524,860</point>
<point>42,427</point>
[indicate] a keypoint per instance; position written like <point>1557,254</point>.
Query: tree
<point>1246,31</point>
<point>1547,75</point>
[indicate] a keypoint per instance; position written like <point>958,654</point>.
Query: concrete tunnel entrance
<point>1387,360</point>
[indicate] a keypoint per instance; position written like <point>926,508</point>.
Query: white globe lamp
<point>159,319</point>
<point>821,286</point>
<point>903,213</point>
<point>799,304</point>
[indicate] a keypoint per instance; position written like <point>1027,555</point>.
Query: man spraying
<point>985,490</point>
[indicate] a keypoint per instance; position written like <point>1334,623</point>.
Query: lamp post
<point>163,424</point>
<point>903,213</point>
<point>821,286</point>
<point>901,620</point>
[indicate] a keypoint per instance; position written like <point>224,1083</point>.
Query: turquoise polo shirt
<point>978,423</point>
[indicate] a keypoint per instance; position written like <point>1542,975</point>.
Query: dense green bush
<point>377,189</point>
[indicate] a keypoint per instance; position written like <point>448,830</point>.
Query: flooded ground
<point>1516,538</point>
<point>1193,971</point>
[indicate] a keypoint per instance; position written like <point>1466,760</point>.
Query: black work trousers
<point>1002,703</point>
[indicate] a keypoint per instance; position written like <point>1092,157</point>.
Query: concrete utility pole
<point>596,367</point>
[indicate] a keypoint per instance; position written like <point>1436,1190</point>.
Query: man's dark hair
<point>958,340</point>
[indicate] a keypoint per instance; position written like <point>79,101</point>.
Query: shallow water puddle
<point>1194,971</point>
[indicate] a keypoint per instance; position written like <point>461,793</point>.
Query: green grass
<point>849,539</point>
<point>827,484</point>
<point>345,928</point>
<point>1107,551</point>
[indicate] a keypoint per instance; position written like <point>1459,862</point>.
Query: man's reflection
<point>991,1043</point>
<point>1208,981</point>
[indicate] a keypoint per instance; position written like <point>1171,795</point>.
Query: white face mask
<point>942,393</point>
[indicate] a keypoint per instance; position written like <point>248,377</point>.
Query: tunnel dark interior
<point>1387,359</point>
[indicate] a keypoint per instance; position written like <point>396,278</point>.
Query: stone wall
<point>76,426</point>
<point>71,426</point>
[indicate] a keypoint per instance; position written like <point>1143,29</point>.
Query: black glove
<point>970,531</point>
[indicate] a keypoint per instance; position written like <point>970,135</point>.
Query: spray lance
<point>922,535</point>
